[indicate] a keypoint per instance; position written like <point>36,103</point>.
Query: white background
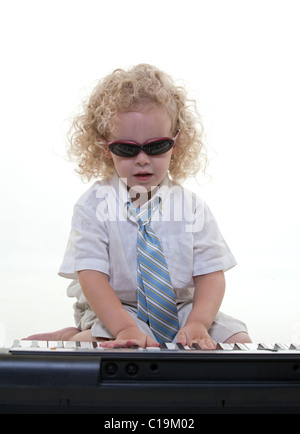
<point>238,58</point>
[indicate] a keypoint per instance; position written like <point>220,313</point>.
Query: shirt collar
<point>122,194</point>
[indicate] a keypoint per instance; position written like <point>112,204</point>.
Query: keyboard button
<point>25,344</point>
<point>251,346</point>
<point>226,347</point>
<point>86,345</point>
<point>70,344</point>
<point>268,347</point>
<point>170,346</point>
<point>281,347</point>
<point>240,347</point>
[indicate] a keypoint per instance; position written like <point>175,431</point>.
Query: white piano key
<point>251,346</point>
<point>16,343</point>
<point>171,346</point>
<point>241,347</point>
<point>25,344</point>
<point>86,345</point>
<point>53,345</point>
<point>70,345</point>
<point>282,347</point>
<point>42,344</point>
<point>226,346</point>
<point>153,349</point>
<point>265,346</point>
<point>39,346</point>
<point>34,344</point>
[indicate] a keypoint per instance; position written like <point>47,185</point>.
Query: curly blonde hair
<point>121,91</point>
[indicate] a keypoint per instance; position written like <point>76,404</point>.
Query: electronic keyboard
<point>82,377</point>
<point>28,347</point>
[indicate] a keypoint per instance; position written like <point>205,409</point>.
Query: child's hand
<point>196,333</point>
<point>131,337</point>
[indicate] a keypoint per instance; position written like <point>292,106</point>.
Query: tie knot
<point>143,215</point>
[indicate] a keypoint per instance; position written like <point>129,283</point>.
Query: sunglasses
<point>129,148</point>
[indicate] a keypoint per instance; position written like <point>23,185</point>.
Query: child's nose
<point>142,158</point>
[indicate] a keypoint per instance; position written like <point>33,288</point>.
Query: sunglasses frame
<point>141,147</point>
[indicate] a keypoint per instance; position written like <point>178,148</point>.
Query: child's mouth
<point>143,176</point>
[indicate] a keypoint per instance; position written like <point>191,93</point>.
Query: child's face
<point>142,171</point>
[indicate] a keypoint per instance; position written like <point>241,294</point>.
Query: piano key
<point>39,346</point>
<point>182,347</point>
<point>294,346</point>
<point>268,347</point>
<point>16,343</point>
<point>70,344</point>
<point>42,344</point>
<point>251,346</point>
<point>170,346</point>
<point>25,344</point>
<point>86,345</point>
<point>196,346</point>
<point>53,345</point>
<point>34,344</point>
<point>282,347</point>
<point>240,347</point>
<point>225,346</point>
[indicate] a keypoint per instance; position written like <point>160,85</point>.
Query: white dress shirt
<point>104,238</point>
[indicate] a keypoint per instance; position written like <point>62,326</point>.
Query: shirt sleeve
<point>211,253</point>
<point>87,247</point>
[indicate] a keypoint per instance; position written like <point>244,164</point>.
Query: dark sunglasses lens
<point>124,149</point>
<point>159,147</point>
<point>130,150</point>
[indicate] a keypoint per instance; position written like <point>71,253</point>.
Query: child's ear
<point>176,146</point>
<point>107,153</point>
<point>175,149</point>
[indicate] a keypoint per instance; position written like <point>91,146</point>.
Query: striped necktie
<point>156,298</point>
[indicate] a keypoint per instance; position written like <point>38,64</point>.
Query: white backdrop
<point>238,58</point>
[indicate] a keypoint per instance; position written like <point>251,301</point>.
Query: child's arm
<point>108,308</point>
<point>208,296</point>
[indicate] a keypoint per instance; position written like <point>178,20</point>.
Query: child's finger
<point>206,344</point>
<point>181,338</point>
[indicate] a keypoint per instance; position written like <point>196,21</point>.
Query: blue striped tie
<point>156,298</point>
